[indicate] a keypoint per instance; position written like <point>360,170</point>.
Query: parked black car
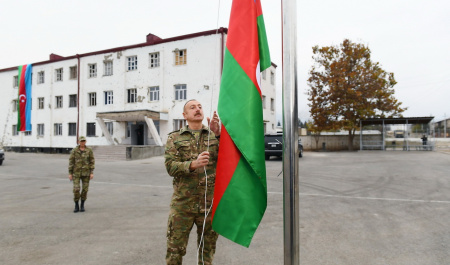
<point>274,145</point>
<point>2,156</point>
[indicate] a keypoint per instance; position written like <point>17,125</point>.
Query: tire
<point>1,162</point>
<point>267,157</point>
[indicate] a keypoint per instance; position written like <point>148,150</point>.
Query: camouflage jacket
<point>189,186</point>
<point>81,163</point>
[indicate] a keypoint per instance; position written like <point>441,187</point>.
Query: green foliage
<point>345,86</point>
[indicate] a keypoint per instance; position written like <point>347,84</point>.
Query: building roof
<point>402,120</point>
<point>443,120</point>
<point>150,40</point>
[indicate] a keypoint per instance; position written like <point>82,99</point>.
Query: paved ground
<point>355,208</point>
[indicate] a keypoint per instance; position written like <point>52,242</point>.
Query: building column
<point>445,128</point>
<point>153,131</point>
<point>105,131</point>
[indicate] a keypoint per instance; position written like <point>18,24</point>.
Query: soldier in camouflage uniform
<point>81,167</point>
<point>189,151</point>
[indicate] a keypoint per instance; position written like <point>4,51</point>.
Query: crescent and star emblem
<point>22,99</point>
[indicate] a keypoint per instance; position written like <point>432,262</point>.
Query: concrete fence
<point>340,142</point>
<point>331,142</point>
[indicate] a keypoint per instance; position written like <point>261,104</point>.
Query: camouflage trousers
<point>178,228</point>
<point>77,188</point>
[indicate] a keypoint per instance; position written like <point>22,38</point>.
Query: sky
<point>410,38</point>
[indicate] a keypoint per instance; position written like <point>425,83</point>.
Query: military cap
<point>82,138</point>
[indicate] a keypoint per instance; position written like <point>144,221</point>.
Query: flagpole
<point>290,135</point>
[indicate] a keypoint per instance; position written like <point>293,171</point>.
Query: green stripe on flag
<point>240,110</point>
<point>264,55</point>
<point>247,211</point>
<point>19,123</point>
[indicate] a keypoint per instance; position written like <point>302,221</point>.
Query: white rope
<point>202,239</point>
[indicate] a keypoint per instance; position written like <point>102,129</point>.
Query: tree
<point>315,128</point>
<point>345,86</point>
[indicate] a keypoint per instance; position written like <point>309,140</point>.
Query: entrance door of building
<point>137,134</point>
<point>140,134</point>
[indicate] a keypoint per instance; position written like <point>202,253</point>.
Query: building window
<point>108,67</point>
<point>27,133</point>
<point>109,127</point>
<point>73,72</point>
<point>15,105</point>
<point>263,74</point>
<point>92,99</point>
<point>59,74</point>
<point>40,103</point>
<point>16,81</point>
<point>108,97</point>
<point>178,124</point>
<point>154,93</point>
<point>72,129</point>
<point>180,92</point>
<point>264,101</point>
<point>90,129</point>
<point>156,125</point>
<point>180,57</point>
<point>72,101</point>
<point>40,129</point>
<point>132,63</point>
<point>272,104</point>
<point>14,130</point>
<point>92,70</point>
<point>272,78</point>
<point>132,95</point>
<point>59,102</point>
<point>57,128</point>
<point>41,77</point>
<point>154,59</point>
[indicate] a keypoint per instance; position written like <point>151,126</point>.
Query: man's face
<point>82,143</point>
<point>193,111</point>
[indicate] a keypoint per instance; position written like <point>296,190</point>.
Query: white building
<point>132,95</point>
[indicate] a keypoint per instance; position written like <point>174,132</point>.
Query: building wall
<point>268,81</point>
<point>201,74</point>
<point>442,128</point>
<point>8,93</point>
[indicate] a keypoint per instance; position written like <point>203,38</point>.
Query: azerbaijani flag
<point>24,100</point>
<point>240,195</point>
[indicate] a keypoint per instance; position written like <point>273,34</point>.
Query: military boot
<point>82,206</point>
<point>77,207</point>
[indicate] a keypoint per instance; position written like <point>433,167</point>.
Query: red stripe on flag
<point>258,8</point>
<point>244,13</point>
<point>227,161</point>
<point>22,98</point>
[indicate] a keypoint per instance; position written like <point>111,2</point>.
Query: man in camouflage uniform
<point>189,152</point>
<point>81,167</point>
